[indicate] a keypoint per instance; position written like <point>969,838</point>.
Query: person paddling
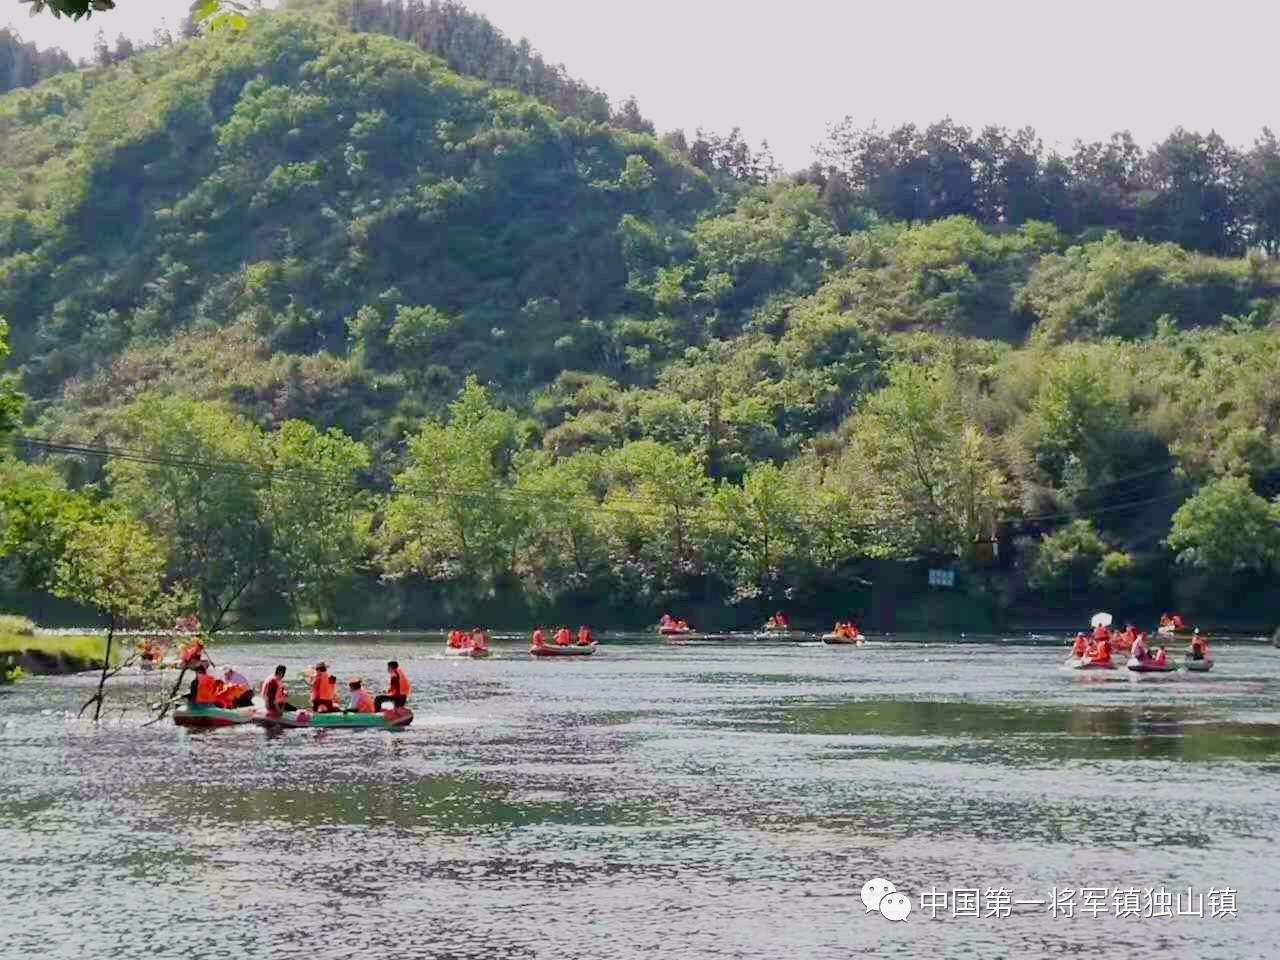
<point>479,639</point>
<point>398,688</point>
<point>206,690</point>
<point>361,699</point>
<point>584,637</point>
<point>1080,648</point>
<point>563,637</point>
<point>275,695</point>
<point>539,638</point>
<point>324,690</point>
<point>1199,647</point>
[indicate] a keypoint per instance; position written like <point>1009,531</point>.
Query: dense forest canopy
<point>420,323</point>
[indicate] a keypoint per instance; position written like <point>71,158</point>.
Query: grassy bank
<point>23,651</point>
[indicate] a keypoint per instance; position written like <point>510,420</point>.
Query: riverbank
<point>25,651</point>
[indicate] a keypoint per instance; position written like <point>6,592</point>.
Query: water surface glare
<point>693,801</point>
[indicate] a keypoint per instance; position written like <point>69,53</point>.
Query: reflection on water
<point>710,801</point>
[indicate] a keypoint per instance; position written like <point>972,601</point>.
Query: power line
<point>585,502</point>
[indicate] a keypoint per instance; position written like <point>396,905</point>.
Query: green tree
<point>113,565</point>
<point>217,14</point>
<point>1076,559</point>
<point>762,519</point>
<point>200,490</point>
<point>561,548</point>
<point>656,517</point>
<point>1226,529</point>
<point>319,523</point>
<point>928,469</point>
<point>10,398</point>
<point>451,517</point>
<point>37,518</point>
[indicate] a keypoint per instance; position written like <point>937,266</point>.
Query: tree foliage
<point>288,268</point>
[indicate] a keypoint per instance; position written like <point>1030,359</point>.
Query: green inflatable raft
<point>201,715</point>
<point>383,720</point>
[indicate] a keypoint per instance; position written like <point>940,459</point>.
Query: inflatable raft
<point>384,720</point>
<point>839,640</point>
<point>1150,666</point>
<point>571,651</point>
<point>1077,663</point>
<point>1198,666</point>
<point>201,715</point>
<point>475,653</point>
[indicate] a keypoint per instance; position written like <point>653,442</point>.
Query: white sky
<point>1082,68</point>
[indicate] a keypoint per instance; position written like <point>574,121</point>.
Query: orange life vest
<point>231,693</point>
<point>584,637</point>
<point>274,692</point>
<point>563,637</point>
<point>320,689</point>
<point>362,701</point>
<point>400,685</point>
<point>208,688</point>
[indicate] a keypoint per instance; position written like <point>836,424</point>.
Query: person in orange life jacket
<point>1161,658</point>
<point>206,690</point>
<point>398,688</point>
<point>479,639</point>
<point>361,699</point>
<point>563,637</point>
<point>324,690</point>
<point>1081,646</point>
<point>1102,632</point>
<point>237,691</point>
<point>1199,647</point>
<point>1102,652</point>
<point>584,636</point>
<point>539,638</point>
<point>274,693</point>
<point>193,652</point>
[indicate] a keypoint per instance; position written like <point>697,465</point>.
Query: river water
<point>697,801</point>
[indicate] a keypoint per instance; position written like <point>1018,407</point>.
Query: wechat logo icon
<point>879,894</point>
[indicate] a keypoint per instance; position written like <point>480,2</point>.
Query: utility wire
<point>301,475</point>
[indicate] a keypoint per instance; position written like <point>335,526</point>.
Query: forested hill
<point>572,363</point>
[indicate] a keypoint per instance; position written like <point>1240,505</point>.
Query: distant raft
<point>842,640</point>
<point>556,651</point>
<point>475,653</point>
<point>1147,665</point>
